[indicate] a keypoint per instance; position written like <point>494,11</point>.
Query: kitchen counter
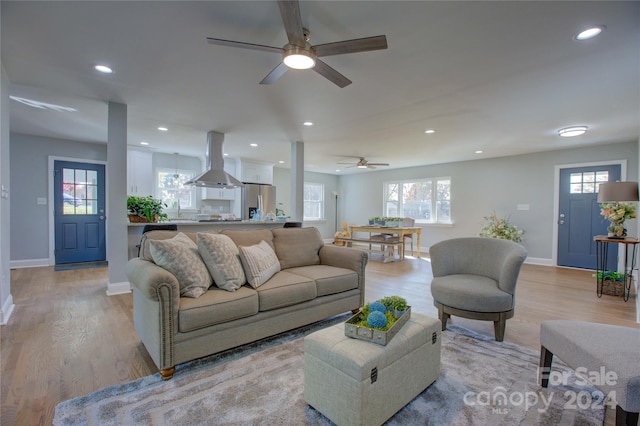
<point>135,229</point>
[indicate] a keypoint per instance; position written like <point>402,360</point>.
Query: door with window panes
<point>579,215</point>
<point>79,212</point>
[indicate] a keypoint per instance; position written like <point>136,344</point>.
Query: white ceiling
<point>501,77</point>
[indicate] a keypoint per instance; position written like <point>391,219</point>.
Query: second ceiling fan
<point>299,54</point>
<point>364,164</point>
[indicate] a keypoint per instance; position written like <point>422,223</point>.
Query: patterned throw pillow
<point>179,255</point>
<point>220,255</point>
<point>260,263</point>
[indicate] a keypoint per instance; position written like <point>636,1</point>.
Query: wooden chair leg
<point>499,327</point>
<point>625,418</point>
<point>444,317</point>
<point>544,368</point>
<point>167,373</point>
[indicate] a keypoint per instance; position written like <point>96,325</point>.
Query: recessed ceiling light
<point>569,132</point>
<point>589,33</point>
<point>254,144</point>
<point>103,69</point>
<point>281,162</point>
<point>429,131</point>
<point>225,154</point>
<point>479,151</point>
<point>337,170</point>
<point>308,123</point>
<point>163,129</point>
<point>144,143</point>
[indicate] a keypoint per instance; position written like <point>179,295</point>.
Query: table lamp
<point>617,193</point>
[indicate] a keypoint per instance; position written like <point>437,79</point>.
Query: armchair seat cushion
<point>471,293</point>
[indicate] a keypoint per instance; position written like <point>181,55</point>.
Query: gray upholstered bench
<point>596,349</point>
<point>355,382</point>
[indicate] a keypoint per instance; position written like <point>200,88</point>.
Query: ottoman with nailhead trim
<point>356,382</point>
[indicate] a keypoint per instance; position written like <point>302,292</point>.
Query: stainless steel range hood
<point>214,175</point>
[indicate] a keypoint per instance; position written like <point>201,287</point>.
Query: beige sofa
<point>315,281</point>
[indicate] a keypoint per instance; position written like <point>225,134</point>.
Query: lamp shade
<point>617,192</point>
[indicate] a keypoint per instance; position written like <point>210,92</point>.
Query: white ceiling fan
<point>299,54</point>
<point>364,164</point>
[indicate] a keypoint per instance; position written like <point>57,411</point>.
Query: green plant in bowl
<point>146,207</point>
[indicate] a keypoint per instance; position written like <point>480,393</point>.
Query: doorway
<point>79,212</point>
<point>579,218</point>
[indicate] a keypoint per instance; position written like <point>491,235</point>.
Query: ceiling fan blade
<point>290,12</point>
<point>242,44</point>
<point>378,164</point>
<point>351,46</point>
<point>275,74</point>
<point>330,74</point>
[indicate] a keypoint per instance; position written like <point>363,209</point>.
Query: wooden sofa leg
<point>499,327</point>
<point>625,418</point>
<point>544,368</point>
<point>167,373</point>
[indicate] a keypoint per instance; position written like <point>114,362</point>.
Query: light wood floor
<point>67,338</point>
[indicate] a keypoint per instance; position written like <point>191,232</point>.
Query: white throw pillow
<point>179,255</point>
<point>221,257</point>
<point>260,263</point>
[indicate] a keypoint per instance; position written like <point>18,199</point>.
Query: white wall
<point>482,186</point>
<point>6,300</point>
<point>29,165</point>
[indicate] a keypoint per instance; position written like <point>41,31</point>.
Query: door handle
<point>101,217</point>
<point>561,221</point>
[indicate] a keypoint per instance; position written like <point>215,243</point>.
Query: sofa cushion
<point>329,279</point>
<point>285,289</point>
<point>297,246</point>
<point>221,257</point>
<point>216,306</point>
<point>249,237</point>
<point>259,263</point>
<point>179,255</point>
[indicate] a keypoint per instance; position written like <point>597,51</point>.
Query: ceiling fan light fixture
<point>298,58</point>
<point>362,166</point>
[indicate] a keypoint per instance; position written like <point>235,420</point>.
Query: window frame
<point>436,199</point>
<point>321,203</point>
<point>189,174</point>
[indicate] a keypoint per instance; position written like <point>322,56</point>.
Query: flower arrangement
<point>616,214</point>
<point>500,228</point>
<point>382,313</point>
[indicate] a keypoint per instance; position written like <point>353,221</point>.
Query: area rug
<point>482,382</point>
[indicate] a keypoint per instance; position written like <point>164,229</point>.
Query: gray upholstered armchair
<point>476,278</point>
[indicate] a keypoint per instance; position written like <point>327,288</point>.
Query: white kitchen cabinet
<point>140,178</point>
<point>255,172</point>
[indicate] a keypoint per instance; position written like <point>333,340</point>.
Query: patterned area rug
<point>482,382</point>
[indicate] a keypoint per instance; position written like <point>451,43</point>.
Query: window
<point>313,201</point>
<point>171,189</point>
<point>587,182</point>
<point>425,200</point>
<point>79,191</point>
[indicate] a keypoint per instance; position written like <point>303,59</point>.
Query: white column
<point>116,176</point>
<point>297,181</point>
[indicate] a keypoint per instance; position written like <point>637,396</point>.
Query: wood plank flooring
<point>67,338</point>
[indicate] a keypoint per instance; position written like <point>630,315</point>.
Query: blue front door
<point>580,218</point>
<point>79,197</point>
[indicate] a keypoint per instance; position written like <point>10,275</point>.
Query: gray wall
<point>482,186</point>
<point>6,300</point>
<point>29,168</point>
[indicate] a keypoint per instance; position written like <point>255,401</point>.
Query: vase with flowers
<point>616,213</point>
<point>497,227</point>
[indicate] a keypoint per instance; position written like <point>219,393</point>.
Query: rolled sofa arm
<point>156,301</point>
<point>348,258</point>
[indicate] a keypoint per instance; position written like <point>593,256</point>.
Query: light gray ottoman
<point>355,382</point>
<point>597,349</point>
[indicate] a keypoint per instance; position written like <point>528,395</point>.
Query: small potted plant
<point>145,209</point>
<point>396,304</point>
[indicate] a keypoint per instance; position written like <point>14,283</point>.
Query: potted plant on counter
<point>145,209</point>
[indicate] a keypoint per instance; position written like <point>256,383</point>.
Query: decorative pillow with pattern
<point>221,257</point>
<point>260,263</point>
<point>179,255</point>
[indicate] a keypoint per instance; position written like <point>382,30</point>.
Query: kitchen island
<point>135,229</point>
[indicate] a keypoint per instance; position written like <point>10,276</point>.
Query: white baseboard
<point>29,263</point>
<point>7,310</point>
<point>539,261</point>
<point>118,288</point>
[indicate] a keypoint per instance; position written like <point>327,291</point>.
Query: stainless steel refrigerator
<point>256,196</point>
